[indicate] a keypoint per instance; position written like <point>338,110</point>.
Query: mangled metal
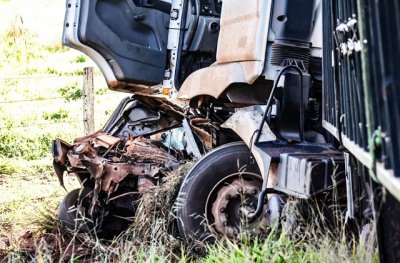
<point>138,157</point>
<point>141,143</point>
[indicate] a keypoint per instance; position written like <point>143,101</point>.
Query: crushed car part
<point>129,156</point>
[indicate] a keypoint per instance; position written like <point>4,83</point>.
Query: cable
<point>283,70</point>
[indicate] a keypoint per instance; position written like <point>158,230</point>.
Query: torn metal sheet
<point>88,137</point>
<point>139,157</point>
<point>74,161</point>
<point>192,147</point>
<point>204,136</point>
<point>142,149</point>
<point>59,150</point>
<point>114,173</point>
<point>106,140</point>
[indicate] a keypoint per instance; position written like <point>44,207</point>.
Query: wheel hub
<point>235,197</point>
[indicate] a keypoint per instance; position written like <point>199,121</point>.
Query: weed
<point>56,47</point>
<point>7,168</point>
<point>19,44</point>
<point>59,115</point>
<point>80,59</point>
<point>31,71</point>
<point>102,91</point>
<point>78,72</point>
<point>17,29</point>
<point>53,71</point>
<point>71,92</point>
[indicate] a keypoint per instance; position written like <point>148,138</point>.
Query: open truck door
<point>126,38</point>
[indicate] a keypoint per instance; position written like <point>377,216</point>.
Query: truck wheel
<point>217,191</point>
<point>71,211</point>
<point>388,227</point>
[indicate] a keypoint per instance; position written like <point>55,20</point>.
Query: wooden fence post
<point>88,101</point>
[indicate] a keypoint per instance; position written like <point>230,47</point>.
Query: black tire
<point>67,212</point>
<point>388,227</point>
<point>75,220</point>
<point>200,181</point>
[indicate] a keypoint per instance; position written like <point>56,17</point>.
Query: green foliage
<point>53,71</point>
<point>61,114</point>
<point>26,146</point>
<point>6,167</point>
<point>56,47</point>
<point>80,59</point>
<point>102,91</point>
<point>71,92</point>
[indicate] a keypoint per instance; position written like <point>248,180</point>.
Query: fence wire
<point>44,99</point>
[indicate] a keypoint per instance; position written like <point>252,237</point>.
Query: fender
<point>245,122</point>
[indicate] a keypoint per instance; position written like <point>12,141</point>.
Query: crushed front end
<point>143,141</point>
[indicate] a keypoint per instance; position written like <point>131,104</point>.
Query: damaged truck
<point>281,103</point>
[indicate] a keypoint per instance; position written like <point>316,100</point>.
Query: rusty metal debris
<point>143,141</point>
<point>109,161</point>
<point>138,157</point>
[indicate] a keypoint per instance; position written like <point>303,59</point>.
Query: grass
<point>34,66</point>
<point>35,235</point>
<point>40,81</point>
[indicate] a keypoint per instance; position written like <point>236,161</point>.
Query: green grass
<point>80,59</point>
<point>28,221</point>
<point>34,66</point>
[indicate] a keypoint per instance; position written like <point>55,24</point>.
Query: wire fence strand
<point>45,99</point>
<point>27,100</point>
<point>39,77</point>
<point>49,123</point>
<point>42,99</point>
